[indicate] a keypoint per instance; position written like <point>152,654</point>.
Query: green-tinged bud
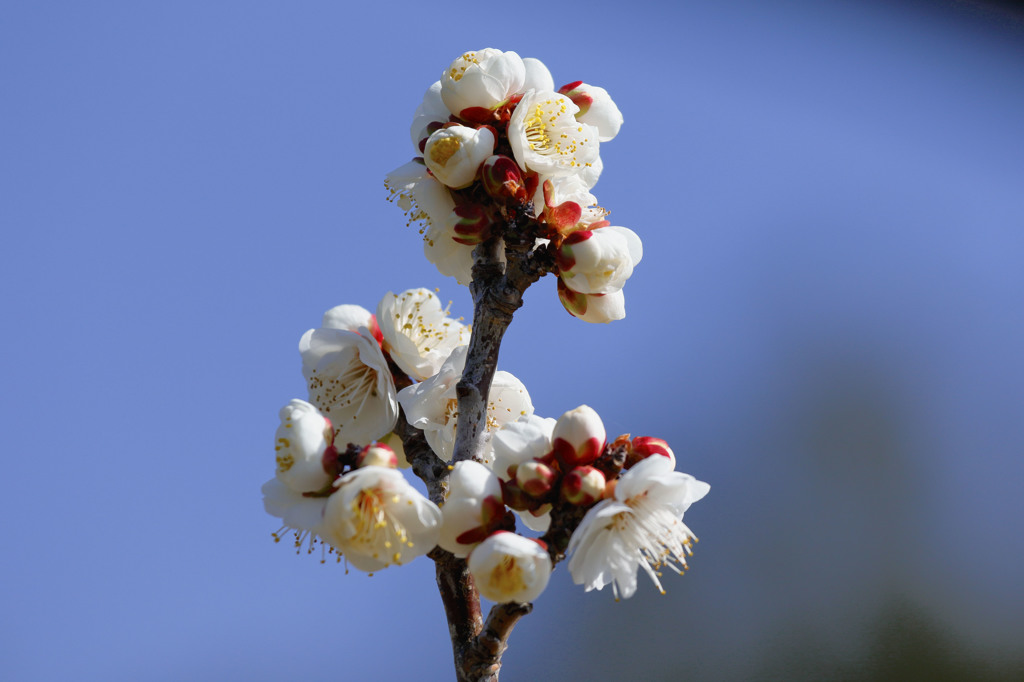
<point>378,455</point>
<point>503,180</point>
<point>536,479</point>
<point>583,486</point>
<point>472,226</point>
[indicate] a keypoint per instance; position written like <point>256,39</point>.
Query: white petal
<point>538,77</point>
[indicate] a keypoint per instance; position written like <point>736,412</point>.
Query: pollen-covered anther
<point>546,137</point>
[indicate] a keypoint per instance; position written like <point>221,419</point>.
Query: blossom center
<point>285,460</point>
<point>507,577</point>
<point>553,132</point>
<point>451,410</point>
<point>375,528</point>
<point>444,149</point>
<point>416,328</point>
<point>339,392</point>
<point>457,72</point>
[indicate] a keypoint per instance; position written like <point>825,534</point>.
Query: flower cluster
<point>614,506</point>
<point>336,454</point>
<point>503,154</point>
<point>502,186</point>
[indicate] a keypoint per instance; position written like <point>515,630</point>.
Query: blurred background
<point>827,326</point>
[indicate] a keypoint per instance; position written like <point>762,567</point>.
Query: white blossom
<point>376,519</point>
<point>299,446</point>
<point>433,406</point>
<point>423,198</point>
<point>520,441</point>
<point>349,381</point>
<point>593,307</point>
<point>483,79</point>
<point>538,77</point>
<point>454,154</point>
<point>473,503</point>
<point>431,110</point>
<point>599,261</point>
<point>510,568</point>
<point>640,527</point>
<point>596,108</point>
<point>301,515</point>
<point>546,137</point>
<point>417,332</point>
<point>349,318</point>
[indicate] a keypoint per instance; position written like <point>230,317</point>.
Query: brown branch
<point>497,292</point>
<point>461,606</point>
<point>483,660</point>
<point>430,468</point>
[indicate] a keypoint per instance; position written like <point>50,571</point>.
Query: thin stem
<point>497,292</point>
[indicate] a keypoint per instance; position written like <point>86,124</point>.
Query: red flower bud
<point>502,179</point>
<point>583,485</point>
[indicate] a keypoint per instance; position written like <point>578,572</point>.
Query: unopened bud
<point>502,179</point>
<point>643,447</point>
<point>453,154</point>
<point>473,225</point>
<point>535,478</point>
<point>583,485</point>
<point>378,455</point>
<point>578,437</point>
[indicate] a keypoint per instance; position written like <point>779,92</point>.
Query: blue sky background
<point>827,326</point>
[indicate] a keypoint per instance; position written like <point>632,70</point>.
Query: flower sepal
<point>503,180</point>
<point>473,224</point>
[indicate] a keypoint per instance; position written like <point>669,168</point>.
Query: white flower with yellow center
<point>510,568</point>
<point>641,527</point>
<point>349,381</point>
<point>299,446</point>
<point>546,137</point>
<point>484,79</point>
<point>433,406</point>
<point>454,154</point>
<point>377,519</point>
<point>418,333</point>
<point>423,198</point>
